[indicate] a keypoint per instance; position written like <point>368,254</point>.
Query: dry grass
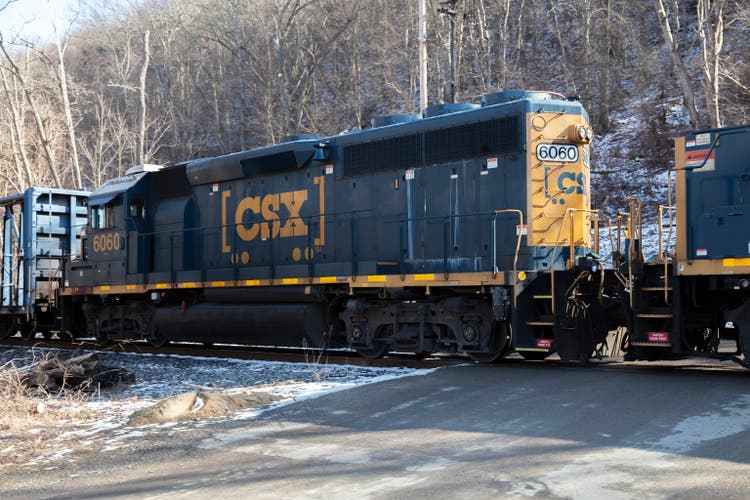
<point>32,419</point>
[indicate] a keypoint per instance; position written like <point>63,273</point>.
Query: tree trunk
<point>711,36</point>
<point>678,64</point>
<point>62,77</point>
<point>43,137</point>
<point>142,91</point>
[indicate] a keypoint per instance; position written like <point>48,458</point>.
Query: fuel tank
<point>258,324</point>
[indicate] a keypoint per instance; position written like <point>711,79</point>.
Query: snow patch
<point>694,431</point>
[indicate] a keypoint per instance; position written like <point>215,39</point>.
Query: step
<point>651,344</point>
<point>540,323</point>
<point>656,288</point>
<point>654,315</point>
<point>540,297</point>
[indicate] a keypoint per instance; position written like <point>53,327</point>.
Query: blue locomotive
<point>468,229</point>
<point>450,232</point>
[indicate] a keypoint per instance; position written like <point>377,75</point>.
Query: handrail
<point>569,213</point>
<point>171,240</point>
<point>518,245</point>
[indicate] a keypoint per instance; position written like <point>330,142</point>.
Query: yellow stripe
<point>736,262</point>
<point>532,349</point>
<point>188,284</point>
<point>379,278</point>
<point>252,282</point>
<point>162,285</point>
<point>130,287</point>
<point>328,279</point>
<point>218,283</point>
<point>105,288</point>
<point>424,277</point>
<point>289,281</point>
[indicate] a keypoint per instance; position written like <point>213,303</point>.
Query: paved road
<point>507,430</point>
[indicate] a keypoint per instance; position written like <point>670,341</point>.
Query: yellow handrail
<point>518,245</point>
<point>570,213</point>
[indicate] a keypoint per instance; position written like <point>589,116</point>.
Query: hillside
<point>170,80</point>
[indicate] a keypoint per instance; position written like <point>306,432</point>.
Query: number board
<point>103,243</point>
<point>557,152</point>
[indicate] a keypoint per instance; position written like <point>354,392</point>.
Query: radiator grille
<point>433,147</point>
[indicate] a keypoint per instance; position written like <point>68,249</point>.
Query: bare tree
<point>42,132</point>
<point>672,45</point>
<point>142,99</point>
<point>62,77</point>
<point>711,35</point>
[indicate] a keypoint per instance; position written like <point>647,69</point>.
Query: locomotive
<point>468,229</point>
<point>692,302</point>
<point>419,234</point>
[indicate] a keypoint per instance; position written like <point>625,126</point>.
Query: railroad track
<point>291,355</point>
<point>349,357</point>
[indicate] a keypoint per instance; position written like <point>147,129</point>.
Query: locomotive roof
<point>285,156</point>
<point>113,187</point>
<point>297,154</point>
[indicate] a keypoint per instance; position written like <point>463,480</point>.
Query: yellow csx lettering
<point>268,208</point>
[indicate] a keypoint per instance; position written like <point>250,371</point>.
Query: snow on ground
<point>161,376</point>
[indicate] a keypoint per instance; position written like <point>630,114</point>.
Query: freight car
<point>468,229</point>
<point>41,228</point>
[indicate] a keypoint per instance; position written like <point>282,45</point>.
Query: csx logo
<point>268,208</point>
<point>566,183</point>
<point>270,216</point>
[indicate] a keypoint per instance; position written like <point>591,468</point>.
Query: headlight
<point>579,134</point>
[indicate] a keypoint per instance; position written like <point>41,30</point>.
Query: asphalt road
<point>509,430</point>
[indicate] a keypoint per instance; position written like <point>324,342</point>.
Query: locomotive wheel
<point>46,333</point>
<point>102,340</point>
<point>158,340</point>
<point>375,352</point>
<point>499,346</point>
<point>28,330</point>
<point>65,336</point>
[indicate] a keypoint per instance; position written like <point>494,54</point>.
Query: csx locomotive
<point>468,229</point>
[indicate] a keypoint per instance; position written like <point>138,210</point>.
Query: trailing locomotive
<point>690,303</point>
<point>466,230</point>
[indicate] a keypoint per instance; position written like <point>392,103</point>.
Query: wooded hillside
<point>170,80</point>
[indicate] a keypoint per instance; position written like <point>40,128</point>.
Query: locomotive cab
<point>117,214</point>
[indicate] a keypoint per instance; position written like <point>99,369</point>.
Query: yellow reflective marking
<point>328,279</point>
<point>289,281</point>
<point>533,349</point>
<point>104,288</point>
<point>162,285</point>
<point>130,287</point>
<point>379,278</point>
<point>252,282</point>
<point>188,284</point>
<point>218,283</point>
<point>424,277</point>
<point>736,262</point>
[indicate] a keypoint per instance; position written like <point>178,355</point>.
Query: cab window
<point>103,216</point>
<point>137,209</point>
